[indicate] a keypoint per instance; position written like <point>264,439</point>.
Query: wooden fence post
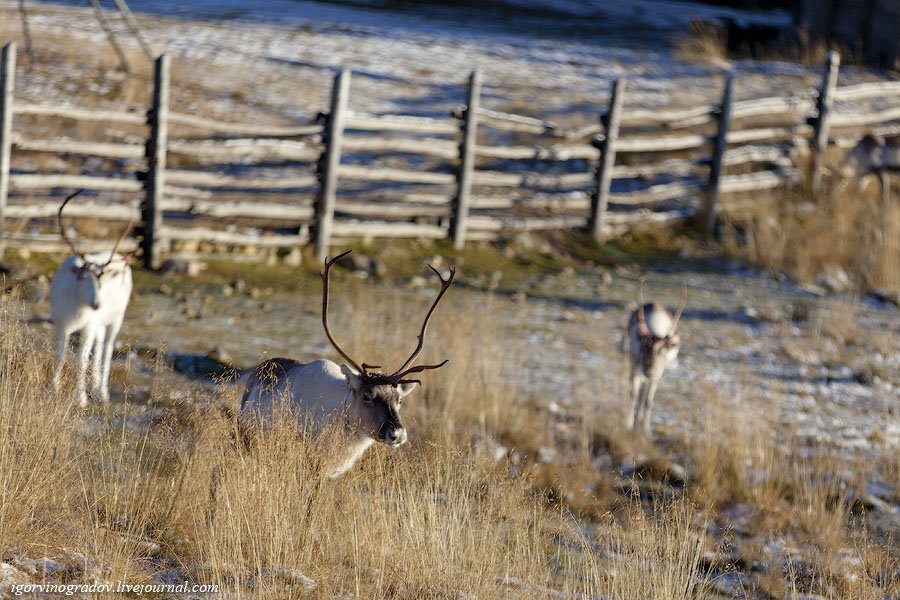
<point>600,197</point>
<point>466,163</point>
<point>7,83</point>
<point>711,197</point>
<point>824,103</point>
<point>331,161</point>
<point>156,164</point>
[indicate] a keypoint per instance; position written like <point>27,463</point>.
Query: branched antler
<point>403,371</point>
<point>127,230</point>
<point>62,232</point>
<point>398,376</point>
<point>642,321</point>
<point>680,310</point>
<point>324,274</point>
<point>62,227</point>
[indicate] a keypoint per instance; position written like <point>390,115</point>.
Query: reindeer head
<point>90,273</point>
<point>377,395</point>
<point>656,349</point>
<point>863,157</point>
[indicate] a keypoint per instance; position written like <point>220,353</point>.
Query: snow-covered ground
<point>417,62</point>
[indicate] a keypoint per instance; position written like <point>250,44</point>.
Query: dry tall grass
<point>182,497</point>
<point>845,228</point>
<point>704,41</point>
<point>131,502</point>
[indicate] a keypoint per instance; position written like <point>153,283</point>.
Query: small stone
<point>10,575</point>
<point>220,355</point>
<point>835,279</point>
<point>546,455</point>
<point>177,266</point>
<point>498,452</point>
<point>606,278</point>
<point>294,258</point>
<point>731,584</point>
<point>356,262</point>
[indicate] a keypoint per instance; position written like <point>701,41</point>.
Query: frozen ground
<point>740,339</point>
<point>764,347</point>
<point>824,370</point>
<point>281,55</point>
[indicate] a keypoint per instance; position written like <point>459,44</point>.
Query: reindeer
<point>89,294</point>
<point>652,344</point>
<point>320,391</point>
<point>872,155</point>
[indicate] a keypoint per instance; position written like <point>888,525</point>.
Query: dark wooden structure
<point>868,29</point>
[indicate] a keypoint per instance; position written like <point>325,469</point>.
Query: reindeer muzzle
<point>393,436</point>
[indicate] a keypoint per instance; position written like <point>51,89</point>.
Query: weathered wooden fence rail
<point>338,176</point>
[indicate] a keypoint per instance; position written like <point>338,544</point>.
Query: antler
<point>62,228</point>
<point>680,310</point>
<point>331,339</point>
<point>400,373</point>
<point>119,241</point>
<point>642,321</point>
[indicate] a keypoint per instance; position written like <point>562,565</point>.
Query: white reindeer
<point>652,344</point>
<point>89,294</point>
<point>368,402</point>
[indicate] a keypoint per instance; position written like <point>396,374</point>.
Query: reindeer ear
<point>405,389</point>
<point>353,378</point>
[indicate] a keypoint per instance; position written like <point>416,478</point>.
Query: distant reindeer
<point>318,392</point>
<point>89,294</point>
<point>652,344</point>
<point>872,155</point>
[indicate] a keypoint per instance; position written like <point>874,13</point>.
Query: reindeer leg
<point>648,403</point>
<point>88,335</point>
<point>62,342</point>
<point>111,332</point>
<point>635,398</point>
<point>97,361</point>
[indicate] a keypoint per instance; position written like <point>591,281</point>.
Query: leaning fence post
<point>7,83</point>
<point>466,163</point>
<point>331,161</point>
<point>823,105</point>
<point>600,197</point>
<point>156,164</point>
<point>711,197</point>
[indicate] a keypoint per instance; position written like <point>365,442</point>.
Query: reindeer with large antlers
<point>368,401</point>
<point>652,344</point>
<point>89,294</point>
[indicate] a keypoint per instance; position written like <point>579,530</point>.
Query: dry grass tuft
<point>642,554</point>
<point>856,233</point>
<point>734,456</point>
<point>704,41</point>
<point>39,436</point>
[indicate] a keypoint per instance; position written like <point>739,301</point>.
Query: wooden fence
<point>477,174</point>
